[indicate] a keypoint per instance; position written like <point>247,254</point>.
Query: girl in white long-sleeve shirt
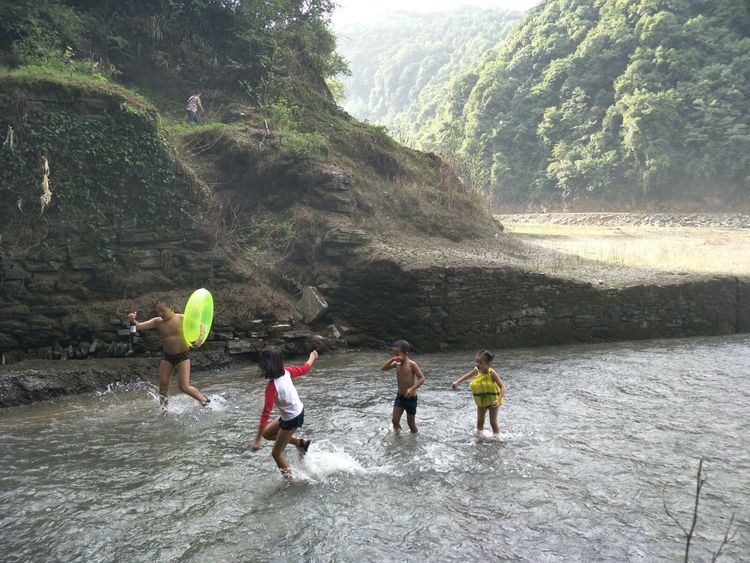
<point>281,391</point>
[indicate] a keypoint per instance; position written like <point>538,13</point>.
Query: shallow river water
<point>594,441</point>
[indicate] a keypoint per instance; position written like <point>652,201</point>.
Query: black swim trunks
<point>296,422</point>
<point>408,404</point>
<point>175,359</point>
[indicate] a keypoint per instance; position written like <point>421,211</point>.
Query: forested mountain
<point>403,65</point>
<point>623,100</point>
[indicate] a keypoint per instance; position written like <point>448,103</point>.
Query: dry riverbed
<point>611,250</point>
<point>698,244</point>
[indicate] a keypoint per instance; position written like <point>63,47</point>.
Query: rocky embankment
<point>497,292</point>
<point>39,380</point>
<point>505,292</point>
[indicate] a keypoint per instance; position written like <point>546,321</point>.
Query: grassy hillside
<point>256,200</point>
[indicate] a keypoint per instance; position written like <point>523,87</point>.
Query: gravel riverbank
<point>667,220</point>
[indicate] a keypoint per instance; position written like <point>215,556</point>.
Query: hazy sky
<point>349,11</point>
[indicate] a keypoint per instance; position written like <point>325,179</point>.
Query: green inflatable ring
<point>199,311</point>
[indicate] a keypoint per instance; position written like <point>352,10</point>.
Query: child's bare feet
<point>303,446</point>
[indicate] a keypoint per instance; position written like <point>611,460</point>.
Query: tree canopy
<point>612,99</point>
<point>256,47</point>
<point>625,101</point>
<point>404,64</point>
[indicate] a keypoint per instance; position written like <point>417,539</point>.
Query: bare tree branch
<point>699,481</point>
<point>664,500</point>
<point>727,538</point>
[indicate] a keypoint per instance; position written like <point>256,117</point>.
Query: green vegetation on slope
<point>629,101</point>
<point>403,65</point>
<point>261,65</point>
<point>257,48</point>
<point>106,158</point>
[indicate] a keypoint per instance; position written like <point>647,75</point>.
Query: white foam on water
<point>485,436</point>
<point>154,395</point>
<point>516,437</point>
<point>218,403</point>
<point>324,459</point>
<point>183,404</point>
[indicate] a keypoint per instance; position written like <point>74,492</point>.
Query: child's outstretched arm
<point>420,380</point>
<point>312,357</point>
<point>463,378</point>
<point>297,371</point>
<point>151,323</point>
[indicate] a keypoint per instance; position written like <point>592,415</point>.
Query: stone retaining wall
<point>441,308</point>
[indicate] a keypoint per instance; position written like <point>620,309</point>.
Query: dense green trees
<point>260,47</point>
<point>405,64</point>
<point>628,101</point>
<point>623,100</point>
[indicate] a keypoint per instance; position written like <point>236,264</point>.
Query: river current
<point>595,440</point>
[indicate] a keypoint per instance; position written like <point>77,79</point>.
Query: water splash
<point>324,459</point>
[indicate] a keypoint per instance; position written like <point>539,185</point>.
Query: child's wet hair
<point>271,362</point>
<point>166,301</point>
<point>485,355</point>
<point>401,346</point>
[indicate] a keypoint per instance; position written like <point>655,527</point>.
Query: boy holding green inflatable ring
<point>175,359</point>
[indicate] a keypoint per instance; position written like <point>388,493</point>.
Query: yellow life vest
<point>484,389</point>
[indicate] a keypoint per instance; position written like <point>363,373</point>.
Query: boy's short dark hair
<point>402,345</point>
<point>165,300</point>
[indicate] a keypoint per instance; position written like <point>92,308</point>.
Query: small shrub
<point>300,147</point>
<point>282,115</point>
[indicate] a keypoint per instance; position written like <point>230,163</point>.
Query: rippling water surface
<point>590,437</point>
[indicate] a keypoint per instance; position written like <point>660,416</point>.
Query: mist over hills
<point>403,65</point>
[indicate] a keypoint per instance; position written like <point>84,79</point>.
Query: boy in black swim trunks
<point>176,357</point>
<point>409,377</point>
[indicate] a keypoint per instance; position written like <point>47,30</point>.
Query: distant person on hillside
<point>409,378</point>
<point>280,391</point>
<point>175,358</point>
<point>193,107</point>
<point>488,391</point>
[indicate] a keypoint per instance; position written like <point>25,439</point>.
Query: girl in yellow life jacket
<point>488,391</point>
